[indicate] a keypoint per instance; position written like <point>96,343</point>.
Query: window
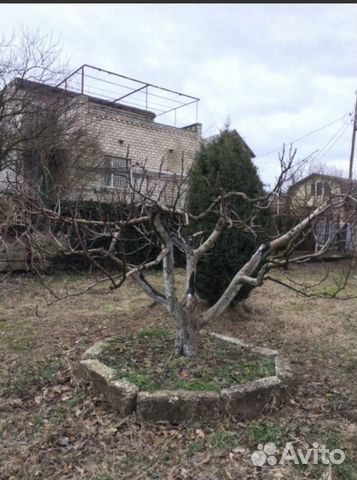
<point>116,172</point>
<point>317,189</point>
<point>320,189</point>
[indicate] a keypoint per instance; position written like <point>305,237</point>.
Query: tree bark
<point>187,337</point>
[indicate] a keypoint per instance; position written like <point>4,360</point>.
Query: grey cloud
<point>278,71</point>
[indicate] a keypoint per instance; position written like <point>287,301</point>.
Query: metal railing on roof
<point>122,90</point>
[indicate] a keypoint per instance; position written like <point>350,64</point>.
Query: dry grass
<point>53,428</point>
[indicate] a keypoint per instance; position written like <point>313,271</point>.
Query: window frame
<point>315,187</point>
<point>113,175</point>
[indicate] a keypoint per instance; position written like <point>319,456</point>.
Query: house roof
<point>30,84</point>
<point>345,183</point>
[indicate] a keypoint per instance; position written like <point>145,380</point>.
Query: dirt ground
<point>53,427</point>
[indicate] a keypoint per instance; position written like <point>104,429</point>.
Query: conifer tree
<point>222,165</point>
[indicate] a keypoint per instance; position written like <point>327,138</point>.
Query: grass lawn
<point>52,427</point>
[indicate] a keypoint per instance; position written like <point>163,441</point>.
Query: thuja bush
<point>222,165</point>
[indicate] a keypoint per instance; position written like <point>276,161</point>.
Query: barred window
<point>116,172</point>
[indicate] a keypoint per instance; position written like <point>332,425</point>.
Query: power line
<point>340,132</point>
<point>304,136</point>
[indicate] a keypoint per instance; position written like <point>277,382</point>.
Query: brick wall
<point>150,144</point>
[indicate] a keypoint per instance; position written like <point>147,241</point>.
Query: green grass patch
<point>35,376</point>
<point>260,432</point>
<point>345,471</point>
<point>224,440</point>
<point>193,448</point>
<point>147,360</point>
<point>154,332</point>
<point>348,469</point>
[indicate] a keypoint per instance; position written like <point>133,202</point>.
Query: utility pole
<point>353,140</point>
<point>354,255</point>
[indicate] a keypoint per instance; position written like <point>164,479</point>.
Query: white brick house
<point>131,142</point>
<point>134,146</point>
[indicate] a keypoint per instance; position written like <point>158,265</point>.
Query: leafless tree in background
<point>43,134</point>
<point>45,142</point>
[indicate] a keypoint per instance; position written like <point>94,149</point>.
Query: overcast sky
<point>278,72</point>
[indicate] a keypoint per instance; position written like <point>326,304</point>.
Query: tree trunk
<point>187,336</point>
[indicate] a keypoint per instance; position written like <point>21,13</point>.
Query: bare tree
<point>42,129</point>
<point>45,140</point>
<point>162,224</point>
<point>315,166</point>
